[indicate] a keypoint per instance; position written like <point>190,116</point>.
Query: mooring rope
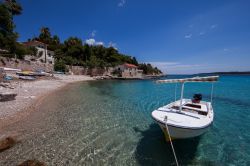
<point>212,91</point>
<point>170,140</point>
<point>175,92</point>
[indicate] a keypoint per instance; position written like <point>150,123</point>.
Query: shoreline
<point>30,94</point>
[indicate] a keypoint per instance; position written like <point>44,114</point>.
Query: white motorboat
<point>185,118</point>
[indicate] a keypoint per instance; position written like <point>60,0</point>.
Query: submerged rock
<point>6,143</point>
<point>32,163</point>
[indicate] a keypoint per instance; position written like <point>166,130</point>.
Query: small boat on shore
<point>30,73</point>
<point>185,118</point>
<point>30,78</point>
<point>25,73</point>
<point>10,69</point>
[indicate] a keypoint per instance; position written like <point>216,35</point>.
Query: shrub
<point>3,62</point>
<point>40,54</point>
<point>60,66</point>
<point>21,51</point>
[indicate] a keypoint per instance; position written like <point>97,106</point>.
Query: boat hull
<point>182,133</point>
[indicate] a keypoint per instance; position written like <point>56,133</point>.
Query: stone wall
<point>79,70</point>
<point>36,65</point>
<point>25,65</point>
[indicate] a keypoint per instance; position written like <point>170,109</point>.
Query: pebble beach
<point>29,93</point>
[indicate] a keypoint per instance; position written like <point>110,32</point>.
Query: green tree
<point>21,51</point>
<point>8,37</point>
<point>14,7</point>
<point>73,41</point>
<point>73,48</point>
<point>55,40</point>
<point>86,52</point>
<point>45,35</point>
<point>60,66</point>
<point>148,69</point>
<point>73,52</point>
<point>134,61</point>
<point>33,51</point>
<point>59,54</point>
<point>6,22</point>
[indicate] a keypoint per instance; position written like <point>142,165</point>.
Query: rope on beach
<point>170,140</point>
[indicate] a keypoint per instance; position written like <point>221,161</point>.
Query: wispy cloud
<point>213,26</point>
<point>92,41</point>
<point>202,33</point>
<point>111,44</point>
<point>188,36</point>
<point>121,3</point>
<point>93,33</point>
<point>197,31</point>
<point>99,43</point>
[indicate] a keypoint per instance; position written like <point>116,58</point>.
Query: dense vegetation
<point>73,51</point>
<point>148,69</point>
<point>8,37</point>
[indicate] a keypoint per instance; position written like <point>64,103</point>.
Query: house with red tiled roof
<point>127,70</point>
<point>44,55</point>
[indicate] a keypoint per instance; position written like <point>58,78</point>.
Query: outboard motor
<point>197,98</point>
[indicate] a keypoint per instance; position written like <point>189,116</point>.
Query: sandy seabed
<point>30,93</point>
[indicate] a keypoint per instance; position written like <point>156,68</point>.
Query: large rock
<point>6,143</point>
<point>7,96</point>
<point>32,163</point>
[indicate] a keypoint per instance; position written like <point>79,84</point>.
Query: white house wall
<point>49,57</point>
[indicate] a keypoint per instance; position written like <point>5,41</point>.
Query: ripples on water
<point>109,123</point>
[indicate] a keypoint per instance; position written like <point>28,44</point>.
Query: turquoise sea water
<point>109,123</point>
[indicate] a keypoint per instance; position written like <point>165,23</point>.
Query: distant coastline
<point>226,73</point>
<point>247,73</point>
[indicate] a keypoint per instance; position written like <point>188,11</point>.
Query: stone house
<point>127,70</point>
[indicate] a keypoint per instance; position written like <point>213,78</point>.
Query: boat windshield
<point>193,108</point>
<point>193,105</point>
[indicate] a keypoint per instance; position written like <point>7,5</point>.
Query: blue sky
<point>178,36</point>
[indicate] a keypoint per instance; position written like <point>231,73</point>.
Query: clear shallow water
<point>109,123</point>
